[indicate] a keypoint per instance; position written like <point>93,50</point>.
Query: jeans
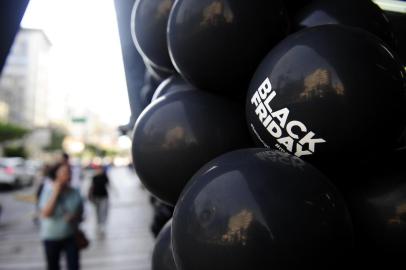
<point>102,207</point>
<point>53,250</point>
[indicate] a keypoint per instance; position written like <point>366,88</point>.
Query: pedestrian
<point>61,212</point>
<point>98,195</point>
<point>75,168</point>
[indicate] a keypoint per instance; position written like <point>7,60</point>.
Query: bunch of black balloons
<point>276,133</point>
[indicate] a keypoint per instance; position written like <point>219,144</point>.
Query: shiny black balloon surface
<point>294,6</point>
<point>217,44</point>
<point>260,209</point>
<point>147,90</point>
<point>159,74</point>
<point>148,26</point>
<point>170,85</point>
<point>360,13</point>
<point>162,255</point>
<point>328,94</point>
<point>377,204</point>
<point>177,134</point>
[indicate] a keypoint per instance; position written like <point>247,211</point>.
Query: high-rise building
<point>24,80</point>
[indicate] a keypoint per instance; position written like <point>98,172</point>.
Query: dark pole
<point>133,63</point>
<point>11,13</point>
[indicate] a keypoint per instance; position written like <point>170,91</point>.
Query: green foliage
<point>111,153</point>
<point>94,150</point>
<point>11,132</point>
<point>15,151</point>
<point>57,137</point>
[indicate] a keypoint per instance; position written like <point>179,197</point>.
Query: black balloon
<point>158,73</point>
<point>177,135</point>
<point>360,13</point>
<point>294,6</point>
<point>148,89</point>
<point>162,255</point>
<point>170,85</point>
<point>149,21</point>
<point>377,204</point>
<point>217,44</point>
<point>162,213</point>
<point>260,209</point>
<point>331,94</point>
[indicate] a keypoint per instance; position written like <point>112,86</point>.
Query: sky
<point>86,69</point>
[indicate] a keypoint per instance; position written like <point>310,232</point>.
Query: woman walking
<point>99,195</point>
<point>61,212</point>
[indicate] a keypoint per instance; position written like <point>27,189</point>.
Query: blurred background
<point>63,84</point>
<point>63,90</point>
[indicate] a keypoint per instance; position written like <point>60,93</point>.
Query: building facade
<point>24,80</point>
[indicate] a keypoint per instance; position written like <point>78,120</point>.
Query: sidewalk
<point>127,243</point>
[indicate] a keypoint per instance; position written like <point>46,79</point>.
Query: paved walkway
<point>127,243</point>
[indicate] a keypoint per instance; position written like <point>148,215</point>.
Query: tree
<point>15,151</point>
<point>57,137</point>
<point>11,132</point>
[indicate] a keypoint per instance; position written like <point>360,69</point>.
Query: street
<point>127,243</point>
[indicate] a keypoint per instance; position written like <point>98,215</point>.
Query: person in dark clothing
<point>98,195</point>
